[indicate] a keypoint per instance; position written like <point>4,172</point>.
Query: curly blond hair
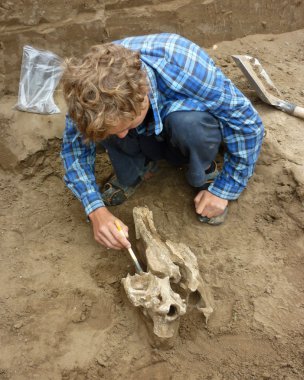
<point>104,87</point>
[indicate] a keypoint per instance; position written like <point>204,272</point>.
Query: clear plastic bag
<point>40,73</point>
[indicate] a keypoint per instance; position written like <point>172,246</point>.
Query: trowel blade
<point>258,78</point>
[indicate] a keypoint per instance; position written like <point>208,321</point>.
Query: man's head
<point>106,91</point>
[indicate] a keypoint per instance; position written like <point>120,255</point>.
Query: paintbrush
<point>130,250</point>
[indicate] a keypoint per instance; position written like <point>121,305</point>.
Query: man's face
<point>122,128</point>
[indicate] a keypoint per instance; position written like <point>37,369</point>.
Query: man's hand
<point>105,230</point>
<point>207,204</point>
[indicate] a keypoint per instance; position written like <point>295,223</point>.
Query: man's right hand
<point>105,230</point>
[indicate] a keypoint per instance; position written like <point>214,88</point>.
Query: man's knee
<point>191,128</point>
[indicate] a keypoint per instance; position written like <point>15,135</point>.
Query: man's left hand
<point>209,205</point>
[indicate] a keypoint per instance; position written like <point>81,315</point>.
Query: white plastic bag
<point>40,73</point>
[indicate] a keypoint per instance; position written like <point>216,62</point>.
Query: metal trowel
<point>263,85</point>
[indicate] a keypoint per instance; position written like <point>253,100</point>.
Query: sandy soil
<point>64,314</point>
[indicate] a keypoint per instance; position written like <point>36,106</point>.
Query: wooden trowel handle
<point>299,112</point>
<point>290,108</point>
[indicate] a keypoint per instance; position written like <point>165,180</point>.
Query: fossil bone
<point>168,265</point>
<point>157,299</point>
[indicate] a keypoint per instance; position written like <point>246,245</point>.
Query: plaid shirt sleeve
<point>79,163</point>
<point>242,131</point>
<point>190,71</point>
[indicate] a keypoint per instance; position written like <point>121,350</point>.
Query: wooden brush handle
<point>130,250</point>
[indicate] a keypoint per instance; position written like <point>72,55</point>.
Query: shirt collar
<point>153,98</point>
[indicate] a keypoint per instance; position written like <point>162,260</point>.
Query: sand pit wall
<point>70,27</point>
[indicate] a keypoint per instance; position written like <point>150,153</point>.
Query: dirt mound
<point>63,312</point>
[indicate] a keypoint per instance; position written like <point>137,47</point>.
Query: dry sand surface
<point>64,314</point>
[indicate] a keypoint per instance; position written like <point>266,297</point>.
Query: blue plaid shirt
<point>182,78</point>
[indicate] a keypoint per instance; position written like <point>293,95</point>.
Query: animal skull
<point>157,299</point>
<point>168,263</point>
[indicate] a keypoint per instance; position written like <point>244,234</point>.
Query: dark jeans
<point>188,137</point>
